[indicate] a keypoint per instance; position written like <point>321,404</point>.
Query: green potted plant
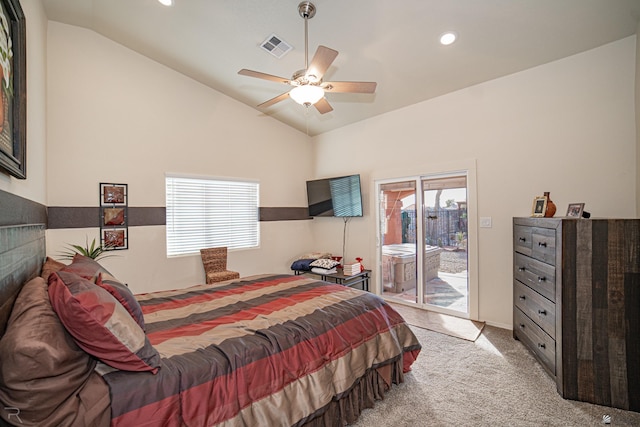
<point>92,251</point>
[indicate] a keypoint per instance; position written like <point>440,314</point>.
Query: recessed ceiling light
<point>166,2</point>
<point>448,38</point>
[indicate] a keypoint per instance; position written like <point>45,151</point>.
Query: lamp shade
<point>306,94</point>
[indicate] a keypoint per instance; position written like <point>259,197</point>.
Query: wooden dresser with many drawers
<point>576,293</point>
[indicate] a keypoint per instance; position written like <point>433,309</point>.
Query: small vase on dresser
<point>551,207</point>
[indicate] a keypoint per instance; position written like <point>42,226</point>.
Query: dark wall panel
<point>18,210</point>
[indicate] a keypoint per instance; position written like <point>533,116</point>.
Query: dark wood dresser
<point>576,294</point>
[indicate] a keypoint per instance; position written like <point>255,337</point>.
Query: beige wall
<point>567,127</point>
<point>34,187</point>
<point>116,116</point>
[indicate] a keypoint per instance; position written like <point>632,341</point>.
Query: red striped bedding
<point>273,350</point>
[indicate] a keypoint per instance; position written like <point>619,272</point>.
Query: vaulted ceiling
<point>394,43</point>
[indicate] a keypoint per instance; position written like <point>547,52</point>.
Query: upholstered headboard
<point>22,252</point>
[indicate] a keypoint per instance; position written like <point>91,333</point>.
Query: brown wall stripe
<point>284,214</point>
<point>18,210</point>
<point>87,217</point>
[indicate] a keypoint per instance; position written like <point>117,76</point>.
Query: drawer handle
<point>521,325</point>
<point>522,239</point>
<point>542,312</point>
<point>543,244</point>
<point>542,279</point>
<point>522,297</point>
<point>520,268</point>
<point>541,345</point>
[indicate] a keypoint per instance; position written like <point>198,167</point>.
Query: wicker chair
<point>214,261</point>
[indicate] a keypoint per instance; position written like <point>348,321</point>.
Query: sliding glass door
<point>398,234</point>
<point>423,238</point>
<point>445,231</point>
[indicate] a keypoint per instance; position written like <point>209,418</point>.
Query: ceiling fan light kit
<point>307,94</point>
<point>308,86</point>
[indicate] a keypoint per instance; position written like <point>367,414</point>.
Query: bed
<point>280,350</point>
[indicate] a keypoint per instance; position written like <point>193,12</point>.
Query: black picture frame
<point>114,216</point>
<point>115,238</point>
<point>113,194</point>
<point>13,93</point>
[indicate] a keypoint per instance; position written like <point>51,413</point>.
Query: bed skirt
<point>346,408</point>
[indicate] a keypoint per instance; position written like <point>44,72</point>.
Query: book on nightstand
<point>351,269</point>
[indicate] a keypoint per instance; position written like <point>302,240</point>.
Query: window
<point>205,213</point>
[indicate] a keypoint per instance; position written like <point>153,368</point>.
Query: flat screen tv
<point>339,196</point>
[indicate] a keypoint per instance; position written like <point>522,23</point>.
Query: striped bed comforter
<point>260,351</point>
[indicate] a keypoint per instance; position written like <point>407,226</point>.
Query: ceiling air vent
<point>275,46</point>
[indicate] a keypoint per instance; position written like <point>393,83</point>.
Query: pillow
<point>90,269</point>
<point>51,266</point>
<point>100,324</point>
<point>315,255</point>
<point>43,371</point>
<point>327,264</point>
<point>302,264</point>
<point>324,271</point>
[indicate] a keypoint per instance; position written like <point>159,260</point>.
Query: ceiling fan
<point>308,87</point>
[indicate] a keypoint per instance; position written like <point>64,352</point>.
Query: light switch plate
<point>485,222</point>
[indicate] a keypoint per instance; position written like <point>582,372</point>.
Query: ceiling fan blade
<point>323,106</point>
<point>321,61</point>
<point>274,100</point>
<point>350,87</point>
<point>264,76</point>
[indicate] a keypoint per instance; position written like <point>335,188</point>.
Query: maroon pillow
<point>99,324</point>
<point>90,269</point>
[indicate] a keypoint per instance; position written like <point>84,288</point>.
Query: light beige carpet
<point>456,327</point>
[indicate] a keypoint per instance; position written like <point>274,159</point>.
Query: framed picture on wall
<point>116,238</point>
<point>539,206</point>
<point>114,216</point>
<point>113,194</point>
<point>13,90</point>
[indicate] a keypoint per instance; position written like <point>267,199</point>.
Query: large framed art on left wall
<point>13,89</point>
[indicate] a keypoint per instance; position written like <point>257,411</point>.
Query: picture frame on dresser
<point>13,90</point>
<point>574,210</point>
<point>539,207</point>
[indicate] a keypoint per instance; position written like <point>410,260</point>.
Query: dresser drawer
<point>537,275</point>
<point>543,244</point>
<point>522,239</point>
<point>541,344</point>
<point>538,308</point>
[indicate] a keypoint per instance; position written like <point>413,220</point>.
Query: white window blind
<point>206,213</point>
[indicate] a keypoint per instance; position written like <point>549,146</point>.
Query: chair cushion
<point>219,276</point>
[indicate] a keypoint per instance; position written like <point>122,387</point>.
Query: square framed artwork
<point>574,210</point>
<point>539,207</point>
<point>114,216</point>
<point>115,238</point>
<point>113,194</point>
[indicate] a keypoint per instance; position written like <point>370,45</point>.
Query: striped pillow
<point>99,324</point>
<point>90,269</point>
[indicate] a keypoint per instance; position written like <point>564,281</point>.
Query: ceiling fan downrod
<point>307,10</point>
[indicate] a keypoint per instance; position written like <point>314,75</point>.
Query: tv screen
<point>340,196</point>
